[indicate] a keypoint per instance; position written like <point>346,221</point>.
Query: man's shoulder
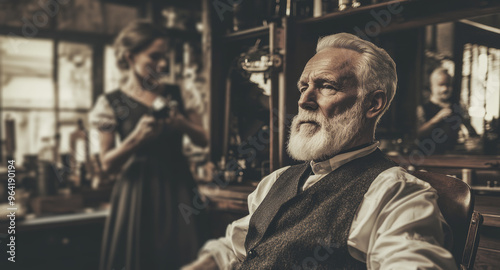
<point>264,186</point>
<point>396,180</point>
<point>268,181</point>
<point>277,173</point>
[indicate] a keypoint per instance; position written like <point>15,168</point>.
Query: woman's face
<point>151,63</point>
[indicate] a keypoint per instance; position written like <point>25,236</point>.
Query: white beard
<point>326,137</point>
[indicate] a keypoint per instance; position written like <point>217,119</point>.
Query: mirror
<point>459,106</point>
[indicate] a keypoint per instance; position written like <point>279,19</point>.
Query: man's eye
<point>328,89</point>
<point>302,89</point>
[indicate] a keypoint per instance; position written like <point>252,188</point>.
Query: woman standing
<point>145,229</point>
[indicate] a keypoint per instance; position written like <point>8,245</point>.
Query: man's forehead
<point>332,60</point>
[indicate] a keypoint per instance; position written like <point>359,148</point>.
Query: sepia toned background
<point>238,62</point>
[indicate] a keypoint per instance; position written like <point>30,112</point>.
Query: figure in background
<point>145,228</point>
<point>439,119</point>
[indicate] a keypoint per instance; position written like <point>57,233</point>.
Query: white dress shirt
<point>397,226</point>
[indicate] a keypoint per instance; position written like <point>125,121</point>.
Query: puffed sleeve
<point>102,116</point>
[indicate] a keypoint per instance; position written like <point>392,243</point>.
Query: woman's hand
<point>147,128</point>
<point>190,125</point>
<point>113,157</point>
<point>176,122</point>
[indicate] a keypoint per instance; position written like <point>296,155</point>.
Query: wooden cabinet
<point>488,254</point>
<point>396,26</point>
<point>71,241</point>
<point>247,123</point>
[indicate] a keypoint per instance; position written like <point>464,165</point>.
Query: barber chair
<point>456,202</point>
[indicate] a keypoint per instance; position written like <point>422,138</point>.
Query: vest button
<point>252,254</point>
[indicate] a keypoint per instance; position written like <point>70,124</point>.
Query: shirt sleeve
<point>229,251</point>
<point>399,225</point>
<point>192,99</point>
<point>102,116</point>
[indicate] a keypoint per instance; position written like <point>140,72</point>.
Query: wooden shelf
<point>486,189</point>
<point>231,192</point>
<point>414,13</point>
<point>491,220</point>
<point>451,161</point>
<point>349,12</point>
<point>247,33</point>
<point>488,207</point>
<point>232,198</point>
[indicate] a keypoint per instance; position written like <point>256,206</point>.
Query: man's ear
<point>377,101</point>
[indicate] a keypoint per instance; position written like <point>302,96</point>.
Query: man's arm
<point>204,262</point>
<point>399,225</point>
<point>225,252</point>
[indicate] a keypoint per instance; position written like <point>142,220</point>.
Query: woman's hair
<point>438,71</point>
<point>134,38</point>
<point>375,70</point>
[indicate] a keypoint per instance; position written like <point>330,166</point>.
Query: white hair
<point>375,71</point>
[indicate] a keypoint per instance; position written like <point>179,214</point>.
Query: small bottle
<point>79,147</point>
<point>467,176</point>
<point>79,144</point>
<point>47,172</point>
<point>344,4</point>
<point>318,8</point>
<point>46,152</point>
<point>84,181</point>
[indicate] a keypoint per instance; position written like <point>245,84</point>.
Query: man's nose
<point>307,99</point>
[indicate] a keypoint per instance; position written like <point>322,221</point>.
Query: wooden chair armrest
<point>472,241</point>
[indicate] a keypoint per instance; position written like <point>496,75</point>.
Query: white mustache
<point>308,117</point>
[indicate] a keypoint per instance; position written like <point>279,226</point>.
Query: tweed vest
<point>308,230</point>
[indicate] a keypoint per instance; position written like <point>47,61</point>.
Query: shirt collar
<point>327,166</point>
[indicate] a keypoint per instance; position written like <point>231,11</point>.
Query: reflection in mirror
<point>460,103</point>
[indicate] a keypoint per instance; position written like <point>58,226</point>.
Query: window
<point>111,71</point>
<point>480,84</point>
<point>28,93</point>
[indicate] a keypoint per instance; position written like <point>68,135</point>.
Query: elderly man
<point>347,206</point>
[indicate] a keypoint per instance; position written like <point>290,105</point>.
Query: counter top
<point>449,161</point>
<point>62,220</point>
<point>229,198</point>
